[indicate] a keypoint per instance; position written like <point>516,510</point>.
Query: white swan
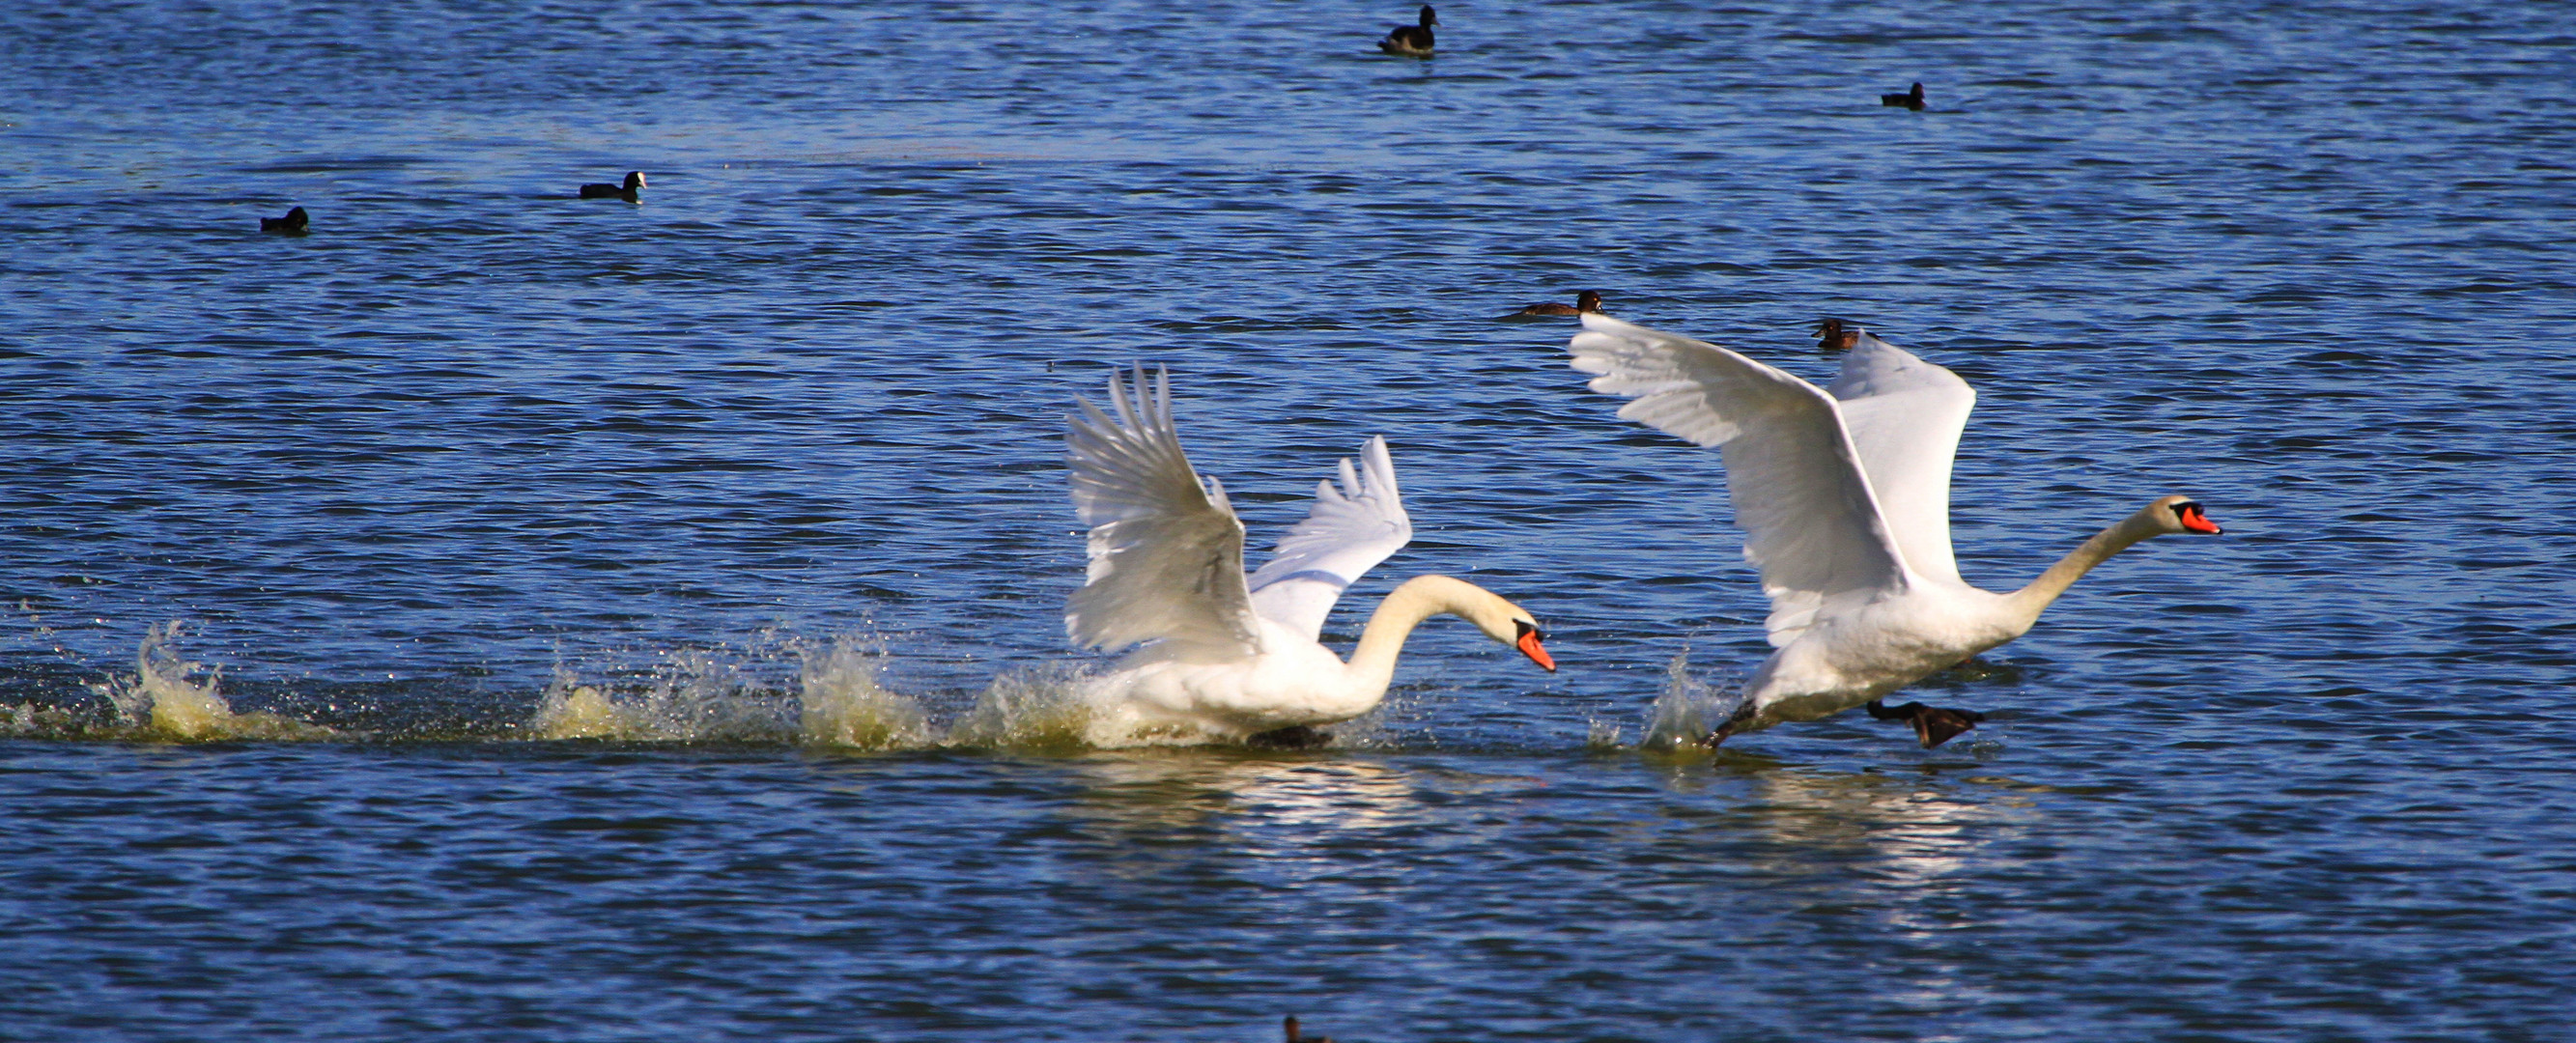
<point>1844,498</point>
<point>1231,658</point>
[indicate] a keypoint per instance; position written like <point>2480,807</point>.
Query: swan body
<point>1227,656</point>
<point>1844,496</point>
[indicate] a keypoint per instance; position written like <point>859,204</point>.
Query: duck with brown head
<point>1831,336</point>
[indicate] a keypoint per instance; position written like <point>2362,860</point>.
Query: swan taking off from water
<point>1844,497</point>
<point>1231,657</point>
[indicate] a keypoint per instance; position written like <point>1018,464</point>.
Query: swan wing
<point>1904,416</point>
<point>1166,549</point>
<point>1351,529</point>
<point>1811,524</point>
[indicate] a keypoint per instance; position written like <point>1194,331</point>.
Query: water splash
<point>1687,710</point>
<point>694,696</point>
<point>163,700</point>
<point>843,704</point>
<point>835,698</point>
<point>1042,708</point>
<point>570,709</point>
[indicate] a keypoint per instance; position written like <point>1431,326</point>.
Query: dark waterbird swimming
<point>291,224</point>
<point>1413,40</point>
<point>1912,99</point>
<point>1586,301</point>
<point>634,184</point>
<point>1831,336</point>
<point>1295,1036</point>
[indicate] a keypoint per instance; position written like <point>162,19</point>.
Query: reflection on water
<point>1257,797</point>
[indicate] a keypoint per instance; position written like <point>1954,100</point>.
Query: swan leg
<point>1933,724</point>
<point>1728,728</point>
<point>1293,737</point>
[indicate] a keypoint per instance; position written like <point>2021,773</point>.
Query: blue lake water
<point>498,614</point>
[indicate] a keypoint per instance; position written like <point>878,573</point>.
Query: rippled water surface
<point>503,615</point>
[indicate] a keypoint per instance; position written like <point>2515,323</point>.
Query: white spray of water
<point>573,710</point>
<point>1042,708</point>
<point>1687,710</point>
<point>699,697</point>
<point>162,698</point>
<point>843,705</point>
<point>693,697</point>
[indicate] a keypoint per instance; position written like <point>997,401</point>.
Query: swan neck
<point>2030,601</point>
<point>1418,599</point>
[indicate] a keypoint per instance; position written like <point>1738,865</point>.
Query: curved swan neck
<point>2028,602</point>
<point>1417,599</point>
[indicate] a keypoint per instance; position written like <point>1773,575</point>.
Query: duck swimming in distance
<point>1831,336</point>
<point>1412,41</point>
<point>291,224</point>
<point>1586,301</point>
<point>1843,493</point>
<point>1228,657</point>
<point>1912,99</point>
<point>627,191</point>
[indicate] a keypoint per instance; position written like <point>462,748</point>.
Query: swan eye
<point>1529,629</point>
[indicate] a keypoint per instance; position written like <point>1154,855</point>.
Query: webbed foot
<point>1933,724</point>
<point>1292,737</point>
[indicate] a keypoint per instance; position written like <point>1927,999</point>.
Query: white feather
<point>1350,530</point>
<point>1166,549</point>
<point>1904,416</point>
<point>1810,520</point>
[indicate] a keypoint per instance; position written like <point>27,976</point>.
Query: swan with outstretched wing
<point>1843,493</point>
<point>1228,657</point>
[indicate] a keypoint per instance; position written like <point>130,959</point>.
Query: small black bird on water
<point>634,184</point>
<point>1411,40</point>
<point>1587,301</point>
<point>1295,1036</point>
<point>291,224</point>
<point>1912,99</point>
